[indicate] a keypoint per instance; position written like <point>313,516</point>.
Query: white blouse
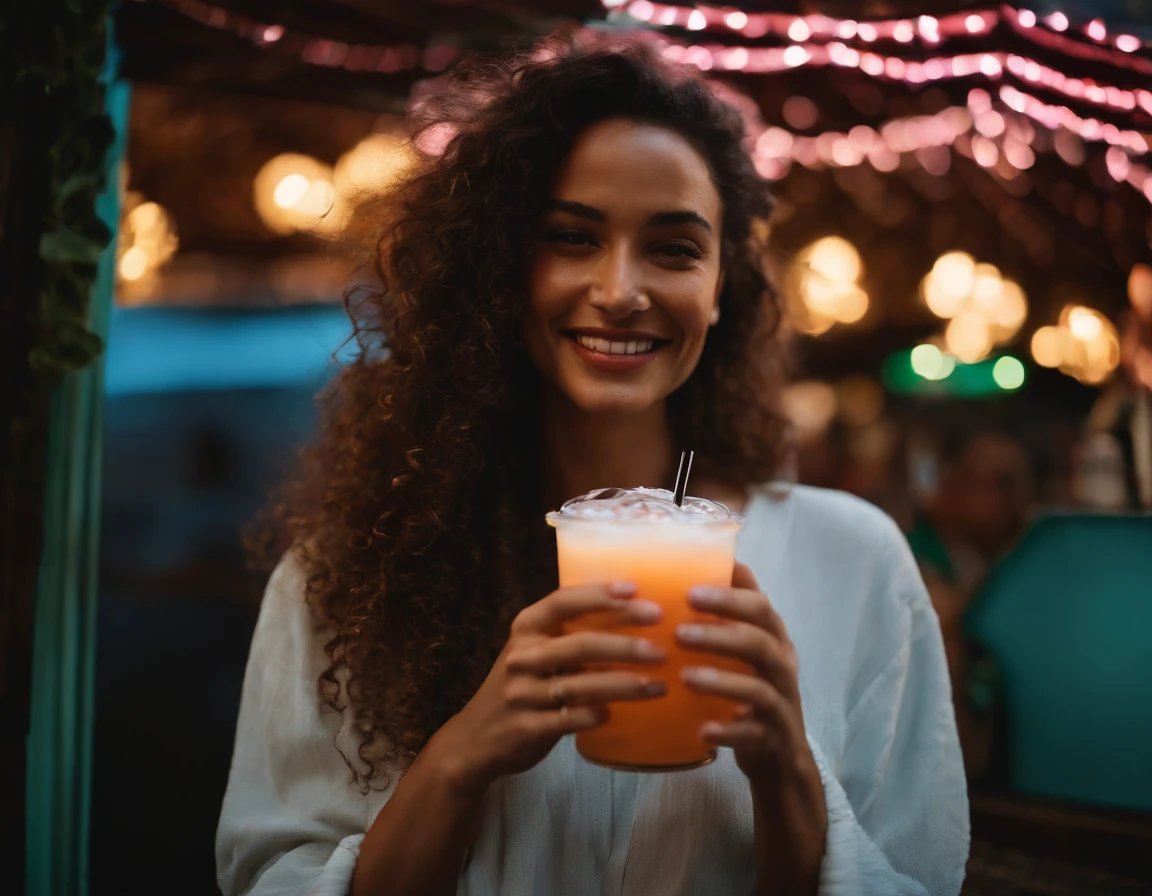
<point>876,702</point>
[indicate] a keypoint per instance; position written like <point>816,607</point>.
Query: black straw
<point>682,477</point>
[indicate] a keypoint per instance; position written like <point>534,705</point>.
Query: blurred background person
<point>981,504</point>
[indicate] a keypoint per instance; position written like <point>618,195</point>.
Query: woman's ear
<point>714,317</point>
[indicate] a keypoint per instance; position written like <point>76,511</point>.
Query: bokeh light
<point>1084,345</point>
<point>1008,372</point>
<point>293,192</point>
<point>826,278</point>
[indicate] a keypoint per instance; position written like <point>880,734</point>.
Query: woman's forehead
<point>618,164</point>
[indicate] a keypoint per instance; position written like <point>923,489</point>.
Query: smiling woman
<point>629,239</point>
<point>573,289</point>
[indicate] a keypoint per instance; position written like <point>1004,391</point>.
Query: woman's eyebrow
<point>660,219</point>
<point>579,209</point>
<point>664,219</point>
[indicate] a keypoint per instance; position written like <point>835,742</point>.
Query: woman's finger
<point>548,615</point>
<point>764,699</point>
<point>742,604</point>
<point>556,723</point>
<point>742,577</point>
<point>738,735</point>
<point>772,660</point>
<point>586,688</point>
<point>544,656</point>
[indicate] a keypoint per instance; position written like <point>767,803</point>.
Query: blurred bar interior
<point>963,236</point>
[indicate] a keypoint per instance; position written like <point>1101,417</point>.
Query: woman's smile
<point>618,350</point>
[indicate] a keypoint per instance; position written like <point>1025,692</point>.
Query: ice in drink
<point>641,536</point>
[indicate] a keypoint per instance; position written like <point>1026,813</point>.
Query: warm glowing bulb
<point>696,21</point>
<point>1058,21</point>
<point>290,190</point>
<point>736,20</point>
<point>1127,43</point>
<point>852,305</point>
<point>974,23</point>
<point>1048,346</point>
<point>955,272</point>
<point>1084,323</point>
<point>967,337</point>
<point>1008,373</point>
<point>1026,18</point>
<point>134,263</point>
<point>835,258</point>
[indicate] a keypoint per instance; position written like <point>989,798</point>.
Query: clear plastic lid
<point>642,505</point>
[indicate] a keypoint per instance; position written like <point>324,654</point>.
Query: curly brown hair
<point>418,515</point>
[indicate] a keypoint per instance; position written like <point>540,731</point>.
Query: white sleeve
<point>292,821</point>
<point>897,797</point>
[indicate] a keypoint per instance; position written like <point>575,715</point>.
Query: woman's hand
<point>768,736</point>
<point>538,689</point>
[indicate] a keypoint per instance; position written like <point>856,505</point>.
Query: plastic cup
<point>664,556</point>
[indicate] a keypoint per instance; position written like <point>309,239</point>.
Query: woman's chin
<point>613,402</point>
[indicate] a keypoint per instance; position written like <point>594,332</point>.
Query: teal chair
<point>1068,616</point>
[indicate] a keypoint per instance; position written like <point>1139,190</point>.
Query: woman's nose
<point>618,290</point>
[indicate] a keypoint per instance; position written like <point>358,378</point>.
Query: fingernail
<point>712,729</point>
<point>646,611</point>
<point>705,596</point>
<point>621,589</point>
<point>691,633</point>
<point>648,649</point>
<point>700,674</point>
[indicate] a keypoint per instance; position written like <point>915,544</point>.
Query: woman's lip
<point>605,361</point>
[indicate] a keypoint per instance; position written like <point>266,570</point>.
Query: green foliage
<point>54,57</point>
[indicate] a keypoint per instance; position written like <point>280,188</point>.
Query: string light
<point>826,281</point>
<point>757,25</point>
<point>983,307</point>
<point>318,50</point>
<point>764,60</point>
<point>1084,344</point>
<point>294,192</point>
<point>147,240</point>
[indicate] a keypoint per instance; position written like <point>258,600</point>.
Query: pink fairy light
<point>696,21</point>
<point>1127,43</point>
<point>1061,116</point>
<point>974,24</point>
<point>867,32</point>
<point>1096,30</point>
<point>1058,21</point>
<point>736,20</point>
<point>642,10</point>
<point>903,32</point>
<point>799,31</point>
<point>1026,18</point>
<point>796,55</point>
<point>272,34</point>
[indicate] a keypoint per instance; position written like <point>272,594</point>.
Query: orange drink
<point>665,552</point>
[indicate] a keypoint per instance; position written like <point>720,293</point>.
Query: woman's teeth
<point>615,347</point>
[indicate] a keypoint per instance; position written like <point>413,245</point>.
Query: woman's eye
<point>679,250</point>
<point>569,238</point>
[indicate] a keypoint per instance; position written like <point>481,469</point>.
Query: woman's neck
<point>584,451</point>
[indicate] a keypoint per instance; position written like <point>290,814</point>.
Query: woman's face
<point>626,273</point>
